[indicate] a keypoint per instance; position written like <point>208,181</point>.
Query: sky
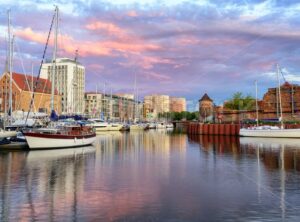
<point>181,47</point>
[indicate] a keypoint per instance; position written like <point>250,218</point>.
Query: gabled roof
<point>25,83</point>
<point>205,97</point>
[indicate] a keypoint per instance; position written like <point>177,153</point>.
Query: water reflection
<point>274,153</point>
<point>154,176</point>
<point>34,183</point>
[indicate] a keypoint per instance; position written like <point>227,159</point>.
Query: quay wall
<point>196,128</point>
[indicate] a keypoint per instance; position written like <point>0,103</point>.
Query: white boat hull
<point>274,133</point>
<point>137,127</point>
<point>108,128</point>
<point>47,143</point>
<point>5,134</point>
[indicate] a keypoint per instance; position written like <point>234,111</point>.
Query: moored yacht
<point>7,133</point>
<point>137,126</point>
<point>161,125</point>
<point>100,125</point>
<point>169,126</point>
<point>67,136</point>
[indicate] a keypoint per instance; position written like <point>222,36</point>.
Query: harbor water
<point>154,175</point>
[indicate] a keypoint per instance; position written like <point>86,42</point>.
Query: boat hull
<point>270,133</point>
<point>108,128</point>
<point>5,134</point>
<point>137,127</point>
<point>48,141</point>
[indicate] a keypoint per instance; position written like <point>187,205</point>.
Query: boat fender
<point>75,139</point>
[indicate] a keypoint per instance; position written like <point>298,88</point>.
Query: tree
<point>177,116</point>
<point>240,102</point>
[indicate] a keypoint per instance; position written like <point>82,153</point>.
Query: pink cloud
<point>132,13</point>
<point>86,48</point>
<point>109,28</point>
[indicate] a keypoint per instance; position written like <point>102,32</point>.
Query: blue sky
<point>180,48</point>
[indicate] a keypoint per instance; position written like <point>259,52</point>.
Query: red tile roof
<point>25,83</point>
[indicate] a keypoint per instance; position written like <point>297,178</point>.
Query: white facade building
<point>69,82</point>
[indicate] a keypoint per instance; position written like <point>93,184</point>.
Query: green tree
<point>240,102</point>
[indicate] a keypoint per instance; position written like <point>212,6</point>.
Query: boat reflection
<point>44,176</point>
<point>270,149</point>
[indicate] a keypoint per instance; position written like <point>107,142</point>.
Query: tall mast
<point>76,92</point>
<point>293,100</point>
<point>10,68</point>
<point>54,58</point>
<point>134,98</point>
<point>104,105</point>
<point>110,105</point>
<point>279,94</point>
<point>256,103</point>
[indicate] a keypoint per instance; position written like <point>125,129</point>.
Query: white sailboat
<point>270,131</point>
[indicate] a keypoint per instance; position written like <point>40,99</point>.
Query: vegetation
<point>179,115</point>
<point>240,102</point>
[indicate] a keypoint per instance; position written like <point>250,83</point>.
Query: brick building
<point>22,86</point>
<point>268,107</point>
<point>206,108</point>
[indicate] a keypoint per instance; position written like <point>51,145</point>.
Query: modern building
<point>22,88</point>
<point>69,81</point>
<point>177,104</point>
<point>112,107</point>
<point>155,104</point>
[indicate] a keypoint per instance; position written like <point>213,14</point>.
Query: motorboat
<point>100,125</point>
<point>152,126</point>
<point>161,125</point>
<point>7,133</point>
<point>137,126</point>
<point>169,126</point>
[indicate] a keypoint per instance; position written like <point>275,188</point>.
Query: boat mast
<point>293,100</point>
<point>10,68</point>
<point>54,59</point>
<point>256,103</point>
<point>134,98</point>
<point>279,93</point>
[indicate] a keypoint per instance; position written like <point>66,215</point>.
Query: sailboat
<point>7,133</point>
<point>270,131</point>
<point>58,137</point>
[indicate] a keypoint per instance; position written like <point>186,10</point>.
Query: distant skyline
<point>179,48</point>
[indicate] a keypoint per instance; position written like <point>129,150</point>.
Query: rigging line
<point>24,71</point>
<point>40,68</point>
<point>282,73</point>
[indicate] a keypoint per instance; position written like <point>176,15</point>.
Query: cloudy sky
<point>180,48</point>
